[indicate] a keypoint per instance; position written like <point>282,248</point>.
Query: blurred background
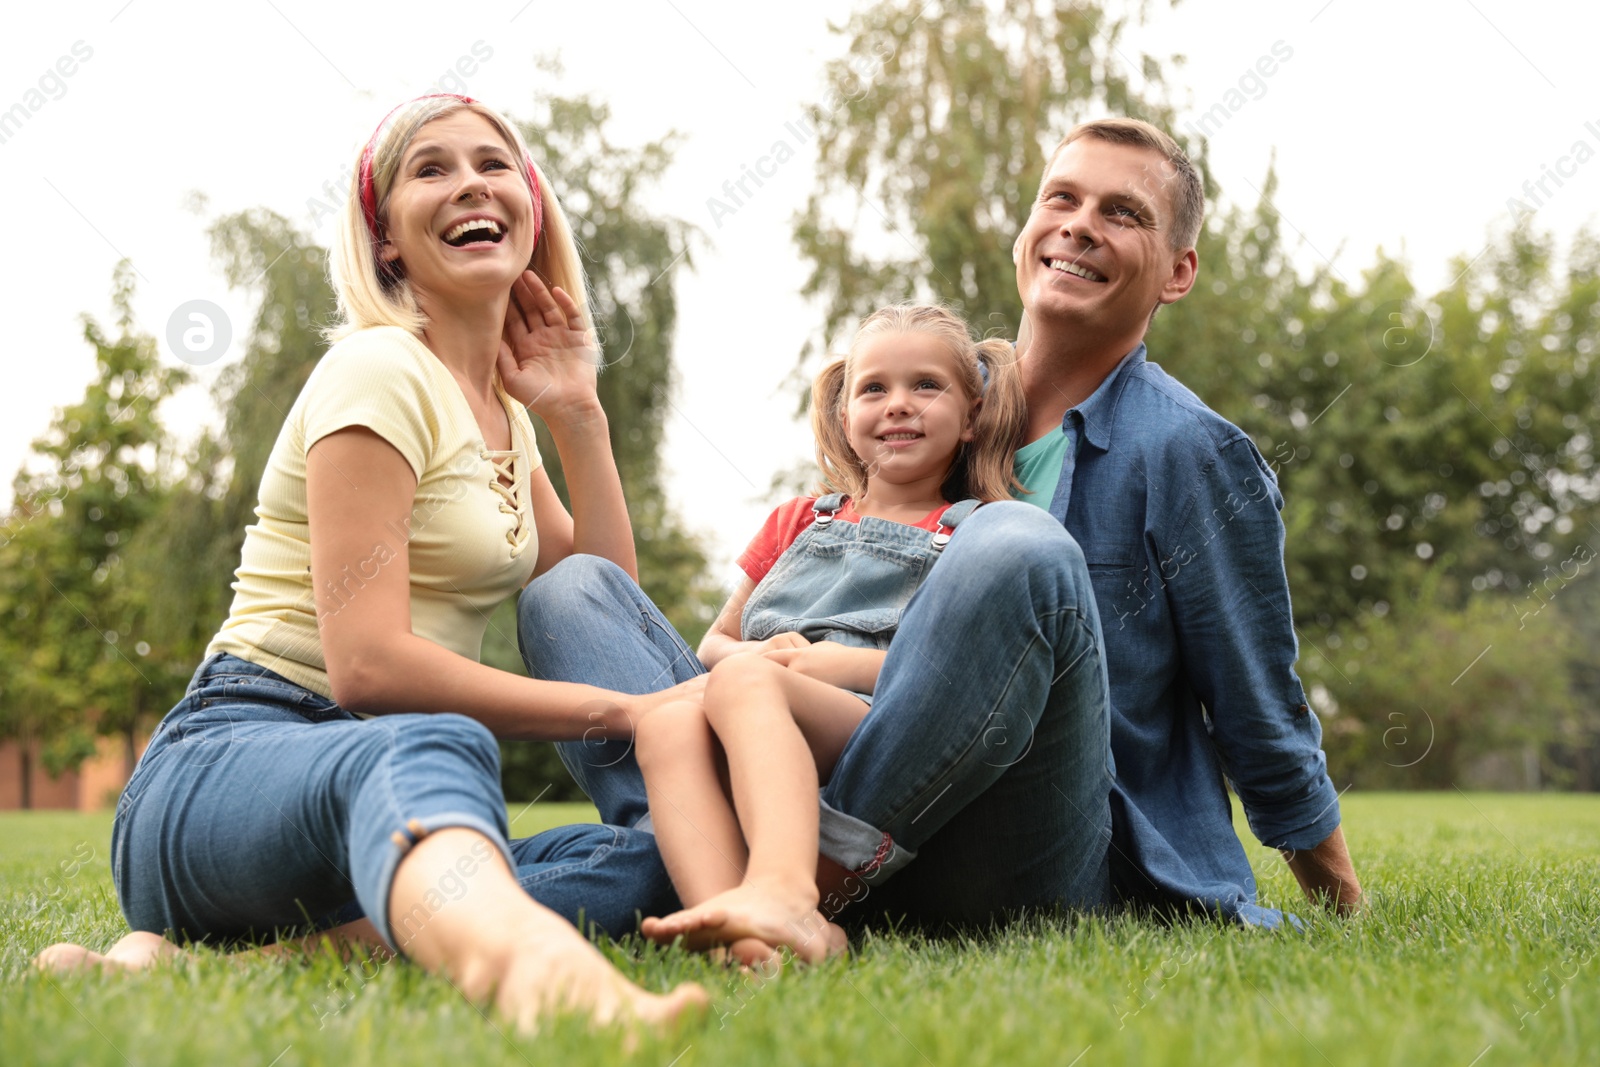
<point>1398,300</point>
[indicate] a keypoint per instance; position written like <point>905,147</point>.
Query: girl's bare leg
<point>699,837</point>
<point>497,945</point>
<point>756,708</point>
<point>696,829</point>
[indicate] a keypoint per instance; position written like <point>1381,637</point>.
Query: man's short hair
<point>1181,180</point>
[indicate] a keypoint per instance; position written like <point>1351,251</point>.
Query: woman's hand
<point>626,714</point>
<point>548,357</point>
<point>548,360</point>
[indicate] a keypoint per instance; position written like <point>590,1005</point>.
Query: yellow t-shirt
<point>472,540</point>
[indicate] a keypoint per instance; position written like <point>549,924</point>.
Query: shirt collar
<point>1096,413</point>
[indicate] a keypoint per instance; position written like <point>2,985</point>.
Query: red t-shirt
<point>785,524</point>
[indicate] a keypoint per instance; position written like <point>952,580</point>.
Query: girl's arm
<point>848,668</point>
<point>855,669</point>
<point>547,363</point>
<point>358,489</point>
<point>722,640</point>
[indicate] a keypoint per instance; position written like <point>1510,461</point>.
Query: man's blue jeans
<point>261,808</point>
<point>987,753</point>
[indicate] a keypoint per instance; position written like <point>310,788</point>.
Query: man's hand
<point>1326,875</point>
<point>855,669</point>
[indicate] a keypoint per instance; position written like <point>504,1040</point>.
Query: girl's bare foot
<point>755,954</point>
<point>771,919</point>
<point>138,951</point>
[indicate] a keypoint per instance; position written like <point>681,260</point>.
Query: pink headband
<point>369,189</point>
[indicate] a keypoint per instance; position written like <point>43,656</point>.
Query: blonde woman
<point>335,754</point>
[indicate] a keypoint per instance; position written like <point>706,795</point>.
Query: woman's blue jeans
<point>986,756</point>
<point>261,808</point>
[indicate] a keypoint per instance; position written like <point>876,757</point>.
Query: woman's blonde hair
<point>371,293</point>
<point>982,468</point>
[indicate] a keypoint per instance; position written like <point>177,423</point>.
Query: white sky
<point>1406,126</point>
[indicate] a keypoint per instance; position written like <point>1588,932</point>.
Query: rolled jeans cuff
<point>399,845</point>
<point>859,847</point>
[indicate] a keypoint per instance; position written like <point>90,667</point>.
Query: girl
<point>308,772</point>
<point>915,427</point>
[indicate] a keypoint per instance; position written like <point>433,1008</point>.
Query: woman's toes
<point>685,1002</point>
<point>65,958</point>
<point>141,949</point>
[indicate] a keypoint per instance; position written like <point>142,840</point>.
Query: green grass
<point>1479,946</point>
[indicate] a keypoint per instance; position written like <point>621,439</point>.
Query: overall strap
<point>952,517</point>
<point>825,507</point>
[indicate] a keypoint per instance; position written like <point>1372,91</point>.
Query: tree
<point>1384,412</point>
<point>1436,453</point>
<point>200,531</point>
<point>1416,697</point>
<point>935,124</point>
<point>69,662</point>
<point>632,257</point>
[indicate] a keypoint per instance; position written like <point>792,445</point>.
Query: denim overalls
<point>847,581</point>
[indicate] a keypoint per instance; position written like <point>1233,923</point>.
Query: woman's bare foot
<point>138,951</point>
<point>499,947</point>
<point>141,950</point>
<point>550,969</point>
<point>753,921</point>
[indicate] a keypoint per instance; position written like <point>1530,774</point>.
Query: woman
<point>308,771</point>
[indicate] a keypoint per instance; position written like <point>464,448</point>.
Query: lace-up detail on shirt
<point>505,469</point>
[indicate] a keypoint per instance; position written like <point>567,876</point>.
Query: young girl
<point>915,427</point>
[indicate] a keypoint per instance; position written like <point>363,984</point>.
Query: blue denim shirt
<point>1178,518</point>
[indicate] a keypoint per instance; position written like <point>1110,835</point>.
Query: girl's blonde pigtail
<point>842,470</point>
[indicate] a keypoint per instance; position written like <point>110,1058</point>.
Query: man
<point>1177,515</point>
<point>988,755</point>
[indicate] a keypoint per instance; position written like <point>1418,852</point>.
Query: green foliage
<point>1437,462</point>
<point>1436,454</point>
<point>1482,929</point>
<point>1386,412</point>
<point>72,606</point>
<point>1574,759</point>
<point>632,257</point>
<point>932,137</point>
<point>196,539</point>
<point>1432,690</point>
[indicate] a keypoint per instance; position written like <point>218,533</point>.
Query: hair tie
<point>369,188</point>
<point>983,373</point>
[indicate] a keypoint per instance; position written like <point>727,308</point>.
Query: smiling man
<point>1178,518</point>
<point>1068,688</point>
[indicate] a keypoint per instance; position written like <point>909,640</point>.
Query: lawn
<point>1478,947</point>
